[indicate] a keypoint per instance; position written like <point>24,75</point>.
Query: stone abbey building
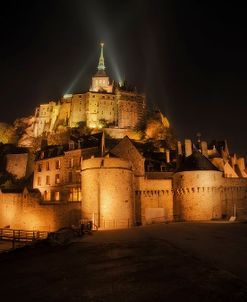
<point>116,105</point>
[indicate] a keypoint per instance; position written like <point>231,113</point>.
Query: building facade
<point>103,105</point>
<point>118,189</point>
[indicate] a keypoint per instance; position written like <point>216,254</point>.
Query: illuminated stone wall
<point>45,117</point>
<point>197,195</point>
<point>24,211</point>
<point>130,109</point>
<point>100,106</point>
<point>153,196</point>
<point>49,178</point>
<point>107,192</point>
<point>78,110</point>
<point>234,198</point>
<point>121,109</point>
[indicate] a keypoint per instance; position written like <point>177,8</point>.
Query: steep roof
<point>196,161</point>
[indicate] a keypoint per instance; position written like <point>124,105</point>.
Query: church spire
<point>101,65</point>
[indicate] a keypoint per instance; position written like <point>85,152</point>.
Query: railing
<point>115,223</point>
<point>22,235</point>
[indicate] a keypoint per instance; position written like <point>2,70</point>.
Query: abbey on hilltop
<point>116,183</point>
<point>105,103</point>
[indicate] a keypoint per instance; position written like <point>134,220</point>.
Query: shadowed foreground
<point>178,262</point>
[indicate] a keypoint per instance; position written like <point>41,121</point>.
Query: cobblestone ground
<point>179,262</point>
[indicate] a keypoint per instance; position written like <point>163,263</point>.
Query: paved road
<point>167,262</point>
<point>221,244</point>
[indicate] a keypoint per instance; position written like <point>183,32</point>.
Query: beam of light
<point>79,75</point>
<point>114,66</point>
<point>103,33</point>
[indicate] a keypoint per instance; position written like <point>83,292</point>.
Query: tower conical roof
<point>196,161</point>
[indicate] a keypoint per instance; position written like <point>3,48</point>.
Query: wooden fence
<point>21,235</point>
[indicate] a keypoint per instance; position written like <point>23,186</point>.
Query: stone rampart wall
<point>153,194</point>
<point>24,211</point>
<point>197,195</point>
<point>107,192</point>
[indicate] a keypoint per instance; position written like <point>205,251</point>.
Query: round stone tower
<point>197,184</point>
<point>107,192</point>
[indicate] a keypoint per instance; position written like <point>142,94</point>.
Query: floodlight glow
<point>67,96</point>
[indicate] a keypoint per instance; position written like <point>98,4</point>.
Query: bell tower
<point>100,81</point>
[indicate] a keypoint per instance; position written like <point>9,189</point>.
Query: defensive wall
<point>197,195</point>
<point>153,200</point>
<point>26,211</point>
<point>107,192</point>
<point>234,198</point>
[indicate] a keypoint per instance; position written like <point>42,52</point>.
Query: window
<point>47,166</point>
<point>57,164</point>
<point>71,163</point>
<point>39,167</point>
<point>39,181</point>
<point>47,195</point>
<point>76,162</point>
<point>78,177</point>
<point>57,179</point>
<point>71,145</point>
<point>74,194</point>
<point>70,177</point>
<point>57,196</point>
<point>47,180</point>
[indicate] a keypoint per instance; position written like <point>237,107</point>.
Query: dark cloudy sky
<point>189,57</point>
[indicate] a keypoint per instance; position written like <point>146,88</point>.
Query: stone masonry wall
<point>24,211</point>
<point>107,192</point>
<point>234,198</point>
<point>153,200</point>
<point>197,195</point>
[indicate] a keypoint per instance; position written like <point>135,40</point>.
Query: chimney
<point>233,160</point>
<point>188,147</point>
<point>241,163</point>
<point>179,148</point>
<point>204,148</point>
<point>168,156</point>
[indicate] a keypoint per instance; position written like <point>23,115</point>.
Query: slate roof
<point>196,161</point>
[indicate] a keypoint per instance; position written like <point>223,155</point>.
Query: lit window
<point>39,181</point>
<point>74,194</point>
<point>47,195</point>
<point>47,166</point>
<point>57,196</point>
<point>57,178</point>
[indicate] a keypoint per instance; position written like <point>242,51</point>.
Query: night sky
<point>189,57</point>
